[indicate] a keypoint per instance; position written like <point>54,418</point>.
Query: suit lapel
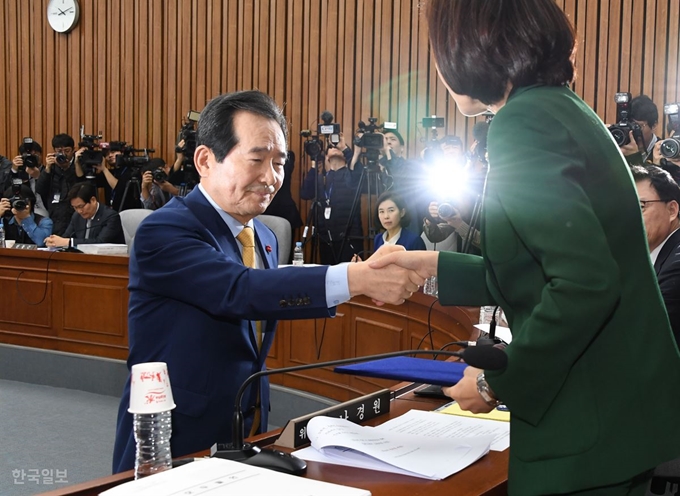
<point>666,250</point>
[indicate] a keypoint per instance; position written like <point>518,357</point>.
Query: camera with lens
<point>313,146</point>
<point>16,201</point>
<point>92,156</point>
<point>622,129</point>
<point>159,175</point>
<point>61,158</point>
<point>28,158</point>
<point>670,147</point>
<point>329,128</point>
<point>188,134</point>
<point>370,139</point>
<point>135,158</point>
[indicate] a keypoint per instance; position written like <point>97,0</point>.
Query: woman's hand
<point>465,392</point>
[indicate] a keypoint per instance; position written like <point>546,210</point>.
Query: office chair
<point>130,220</point>
<point>666,473</point>
<point>283,232</point>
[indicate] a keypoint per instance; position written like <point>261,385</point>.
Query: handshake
<point>391,274</point>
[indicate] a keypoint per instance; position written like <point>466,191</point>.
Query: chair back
<point>283,232</point>
<point>130,219</point>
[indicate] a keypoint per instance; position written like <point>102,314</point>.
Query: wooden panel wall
<point>133,68</point>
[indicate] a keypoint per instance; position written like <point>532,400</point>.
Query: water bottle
<point>298,257</point>
<point>2,235</point>
<point>485,314</point>
<point>152,435</point>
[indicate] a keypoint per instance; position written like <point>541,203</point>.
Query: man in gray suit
<point>92,222</point>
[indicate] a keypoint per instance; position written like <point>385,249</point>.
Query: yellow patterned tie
<point>247,239</point>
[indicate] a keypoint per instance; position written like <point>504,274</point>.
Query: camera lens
<point>670,148</point>
<point>19,204</point>
<point>620,134</point>
<point>445,210</point>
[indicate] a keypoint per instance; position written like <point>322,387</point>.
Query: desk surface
<point>487,476</point>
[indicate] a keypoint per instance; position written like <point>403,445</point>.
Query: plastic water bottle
<point>152,435</point>
<point>2,236</point>
<point>298,257</point>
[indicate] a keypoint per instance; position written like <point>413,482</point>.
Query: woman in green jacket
<point>593,374</point>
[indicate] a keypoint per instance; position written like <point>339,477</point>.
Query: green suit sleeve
<point>565,283</point>
<point>462,280</point>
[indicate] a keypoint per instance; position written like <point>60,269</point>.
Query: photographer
<point>19,219</point>
<point>407,176</point>
<point>26,167</point>
<point>336,188</point>
<point>645,113</point>
<point>56,179</point>
<point>154,177</point>
<point>119,173</point>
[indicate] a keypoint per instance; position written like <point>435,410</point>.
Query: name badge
<point>56,198</point>
<point>327,213</point>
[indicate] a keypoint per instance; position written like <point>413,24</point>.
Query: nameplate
<point>25,246</point>
<point>358,410</point>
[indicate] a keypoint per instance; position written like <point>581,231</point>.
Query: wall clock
<point>63,15</point>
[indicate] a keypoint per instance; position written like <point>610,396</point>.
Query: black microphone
<point>326,117</point>
<point>483,357</point>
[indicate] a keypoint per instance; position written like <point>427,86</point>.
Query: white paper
<point>342,442</point>
<point>441,426</point>
<point>217,477</point>
<point>103,248</point>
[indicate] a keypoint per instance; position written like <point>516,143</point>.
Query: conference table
<point>487,476</point>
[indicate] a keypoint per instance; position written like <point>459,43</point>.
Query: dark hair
<point>642,108</point>
<point>452,140</point>
<point>391,195</point>
<point>63,141</point>
<point>662,182</point>
<point>216,123</point>
<point>396,133</point>
<point>36,147</point>
<point>85,191</point>
<point>481,45</point>
<point>25,192</point>
<point>154,164</point>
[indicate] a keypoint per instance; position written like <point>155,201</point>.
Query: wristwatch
<point>485,391</point>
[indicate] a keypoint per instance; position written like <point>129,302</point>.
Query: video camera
<point>621,130</point>
<point>670,147</point>
<point>29,160</point>
<point>188,134</point>
<point>130,157</point>
<point>314,146</point>
<point>92,156</point>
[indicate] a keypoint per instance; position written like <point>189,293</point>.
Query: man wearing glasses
<point>645,113</point>
<point>660,202</point>
<point>92,222</point>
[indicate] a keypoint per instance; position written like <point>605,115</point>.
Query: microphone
<point>483,357</point>
<point>326,117</point>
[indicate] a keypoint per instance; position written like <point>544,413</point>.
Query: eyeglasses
<point>78,208</point>
<point>643,203</point>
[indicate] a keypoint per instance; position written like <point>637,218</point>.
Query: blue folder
<point>408,369</point>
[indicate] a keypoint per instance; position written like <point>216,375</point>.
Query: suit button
<point>307,300</point>
<point>299,302</point>
<point>291,302</point>
<point>283,303</point>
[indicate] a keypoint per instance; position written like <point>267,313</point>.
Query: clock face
<point>63,15</point>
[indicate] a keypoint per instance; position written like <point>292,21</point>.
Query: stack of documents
<point>398,446</point>
<point>103,249</point>
<point>217,477</point>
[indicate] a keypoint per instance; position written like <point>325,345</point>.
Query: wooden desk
<point>85,304</point>
<point>487,476</point>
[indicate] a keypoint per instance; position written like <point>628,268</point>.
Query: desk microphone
<point>483,357</point>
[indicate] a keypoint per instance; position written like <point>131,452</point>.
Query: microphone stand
<point>486,357</point>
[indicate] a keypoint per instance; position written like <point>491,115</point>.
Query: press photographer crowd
<point>431,200</point>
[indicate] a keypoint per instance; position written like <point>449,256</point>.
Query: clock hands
<point>63,12</point>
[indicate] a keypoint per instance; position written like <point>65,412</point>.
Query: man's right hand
<point>5,206</point>
<point>631,148</point>
<point>16,163</point>
<point>433,210</point>
<point>50,160</point>
<point>147,180</point>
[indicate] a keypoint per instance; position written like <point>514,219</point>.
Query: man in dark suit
<point>198,300</point>
<point>659,200</point>
<point>92,222</point>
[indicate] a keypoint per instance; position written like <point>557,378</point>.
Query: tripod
<point>136,192</point>
<point>370,175</point>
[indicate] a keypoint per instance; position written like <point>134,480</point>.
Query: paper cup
<point>150,390</point>
<point>9,243</point>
